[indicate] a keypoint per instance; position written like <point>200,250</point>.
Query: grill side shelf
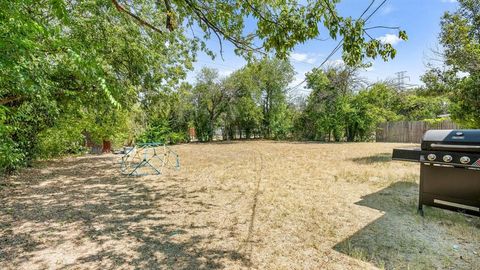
<point>407,154</point>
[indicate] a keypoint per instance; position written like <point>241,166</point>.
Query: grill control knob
<point>464,160</point>
<point>447,158</point>
<point>431,157</point>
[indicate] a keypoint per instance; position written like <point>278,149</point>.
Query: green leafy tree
<point>465,108</point>
<point>61,59</point>
<point>211,98</point>
<point>438,82</point>
<point>252,99</point>
<point>167,115</point>
<point>328,106</point>
<point>460,37</point>
<point>243,112</point>
<point>273,77</point>
<point>369,107</point>
<point>417,107</point>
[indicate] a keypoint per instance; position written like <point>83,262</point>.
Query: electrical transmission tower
<point>401,80</point>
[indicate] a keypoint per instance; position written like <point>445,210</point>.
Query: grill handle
<point>455,147</point>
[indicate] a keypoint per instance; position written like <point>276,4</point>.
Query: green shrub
<point>161,132</point>
<point>11,157</point>
<point>60,140</point>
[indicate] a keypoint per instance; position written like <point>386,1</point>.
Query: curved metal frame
<point>144,148</point>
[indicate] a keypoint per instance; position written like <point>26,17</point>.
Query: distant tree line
<point>256,102</point>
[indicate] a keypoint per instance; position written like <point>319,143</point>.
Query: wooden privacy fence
<point>408,131</point>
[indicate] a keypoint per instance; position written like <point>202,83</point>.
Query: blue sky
<point>419,18</point>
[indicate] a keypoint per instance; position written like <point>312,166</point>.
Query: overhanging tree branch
<point>7,100</point>
<point>259,13</point>
<point>169,22</point>
<point>238,43</point>
<point>137,18</point>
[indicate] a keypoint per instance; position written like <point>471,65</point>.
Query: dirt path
<point>243,205</point>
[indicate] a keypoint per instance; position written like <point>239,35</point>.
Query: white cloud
<point>335,63</point>
<point>390,38</point>
<point>449,1</point>
<point>225,72</point>
<point>299,56</point>
<point>303,57</point>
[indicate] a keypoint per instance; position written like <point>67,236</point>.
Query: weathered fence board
<point>409,131</point>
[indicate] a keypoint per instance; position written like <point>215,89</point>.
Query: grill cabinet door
<point>458,185</point>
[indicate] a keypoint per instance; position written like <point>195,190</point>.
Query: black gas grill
<point>449,169</point>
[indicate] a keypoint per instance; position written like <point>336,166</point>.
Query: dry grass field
<point>239,205</point>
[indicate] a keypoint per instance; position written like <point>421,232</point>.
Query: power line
<point>324,61</point>
<point>375,11</point>
<point>340,43</point>
<point>369,6</point>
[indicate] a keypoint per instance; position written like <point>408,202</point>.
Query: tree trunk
<point>106,146</point>
<point>351,133</point>
<point>211,131</point>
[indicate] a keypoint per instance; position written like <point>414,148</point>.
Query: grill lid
<point>467,140</point>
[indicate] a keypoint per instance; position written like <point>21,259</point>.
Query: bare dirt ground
<point>257,205</point>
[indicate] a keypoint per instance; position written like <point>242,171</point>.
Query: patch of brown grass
<point>260,205</point>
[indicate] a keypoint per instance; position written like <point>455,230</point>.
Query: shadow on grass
<point>401,238</point>
<point>103,207</point>
<point>378,158</point>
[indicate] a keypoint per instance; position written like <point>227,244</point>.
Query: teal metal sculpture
<point>149,159</point>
